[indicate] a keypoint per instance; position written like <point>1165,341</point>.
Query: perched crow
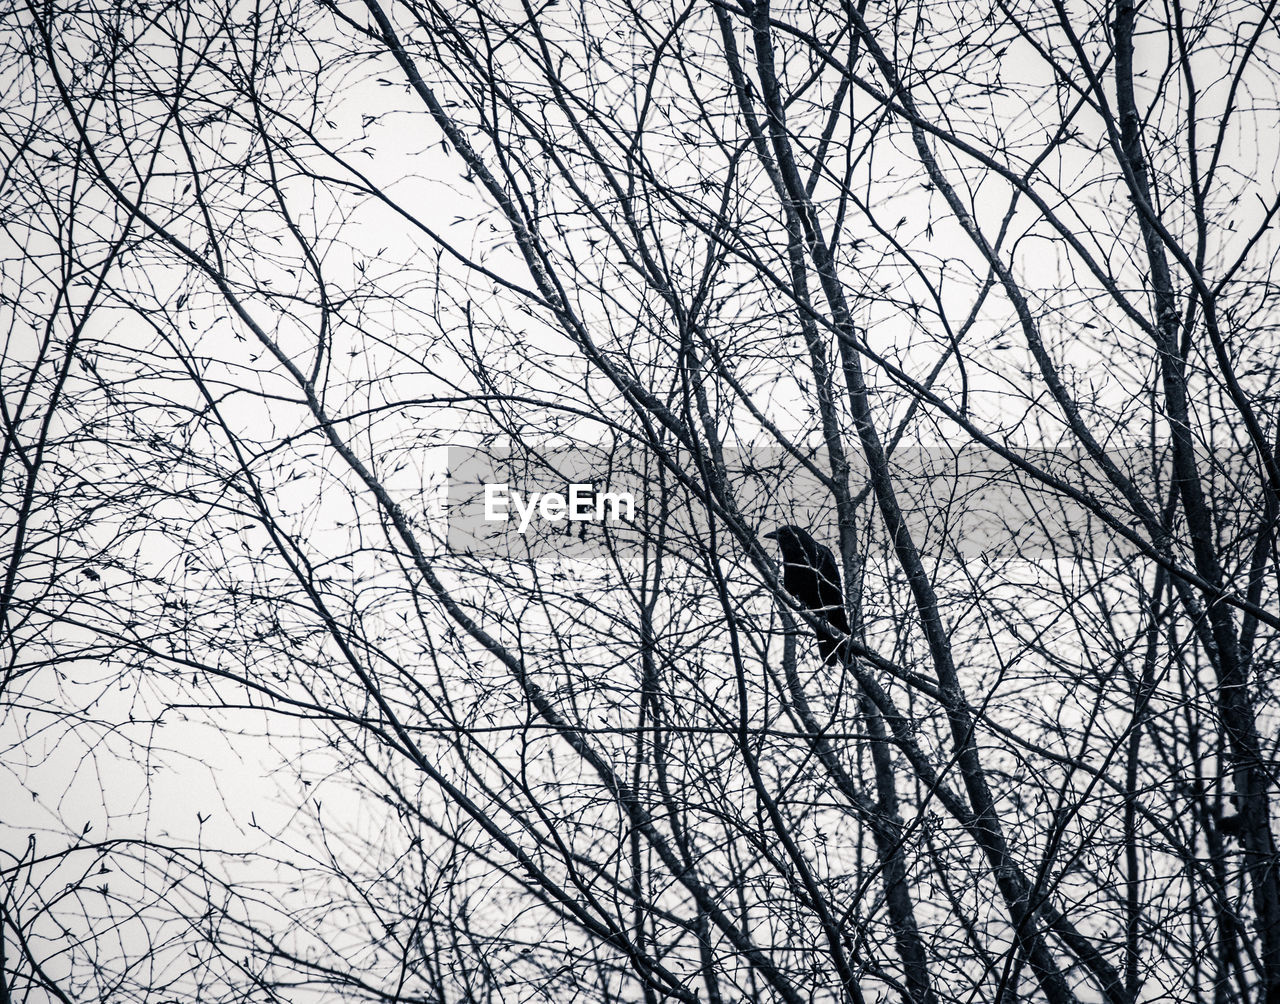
<point>811,575</point>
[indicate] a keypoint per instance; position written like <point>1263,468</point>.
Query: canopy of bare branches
<point>979,294</point>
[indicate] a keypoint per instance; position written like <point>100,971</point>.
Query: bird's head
<point>785,534</point>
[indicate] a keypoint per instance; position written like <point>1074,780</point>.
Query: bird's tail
<point>831,648</point>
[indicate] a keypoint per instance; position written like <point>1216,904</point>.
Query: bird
<point>810,574</point>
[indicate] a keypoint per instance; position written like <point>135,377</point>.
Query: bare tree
<point>979,295</point>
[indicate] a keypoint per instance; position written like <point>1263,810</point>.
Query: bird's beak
<point>771,535</point>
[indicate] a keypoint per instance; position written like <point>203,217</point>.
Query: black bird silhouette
<point>811,575</point>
